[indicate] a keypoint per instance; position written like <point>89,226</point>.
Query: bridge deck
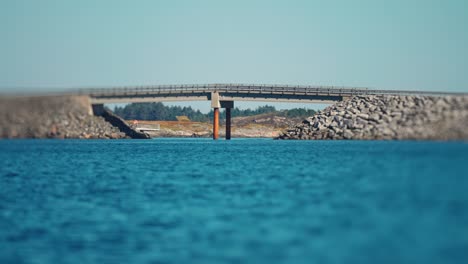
<point>238,92</point>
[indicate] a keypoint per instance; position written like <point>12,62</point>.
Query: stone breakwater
<point>53,117</point>
<point>388,117</point>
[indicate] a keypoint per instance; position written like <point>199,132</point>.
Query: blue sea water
<point>239,201</point>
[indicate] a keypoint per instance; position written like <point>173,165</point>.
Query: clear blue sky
<point>400,44</point>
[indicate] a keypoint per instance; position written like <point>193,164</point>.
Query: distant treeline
<point>159,111</point>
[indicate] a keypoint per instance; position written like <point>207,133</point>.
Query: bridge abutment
<point>97,109</point>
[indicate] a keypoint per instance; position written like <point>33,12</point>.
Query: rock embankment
<point>388,117</point>
<point>53,117</point>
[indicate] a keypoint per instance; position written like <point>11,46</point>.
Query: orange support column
<point>216,124</point>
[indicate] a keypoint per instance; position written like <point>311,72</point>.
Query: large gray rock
<point>347,134</point>
<point>374,117</point>
<point>363,116</point>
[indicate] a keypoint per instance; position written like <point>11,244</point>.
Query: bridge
<point>224,95</point>
<point>237,92</point>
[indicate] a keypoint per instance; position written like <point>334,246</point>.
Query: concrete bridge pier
<point>228,105</point>
<point>216,124</point>
<point>216,104</point>
<point>228,123</point>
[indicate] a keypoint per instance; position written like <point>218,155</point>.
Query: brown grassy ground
<point>265,126</point>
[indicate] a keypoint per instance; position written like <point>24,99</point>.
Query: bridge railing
<point>248,88</point>
<point>229,88</point>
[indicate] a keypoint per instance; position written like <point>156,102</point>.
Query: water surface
<point>243,201</point>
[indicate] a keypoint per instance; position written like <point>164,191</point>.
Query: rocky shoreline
<point>53,117</point>
<point>360,118</point>
<point>387,118</point>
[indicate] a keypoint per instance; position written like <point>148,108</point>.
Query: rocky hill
<point>388,117</point>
